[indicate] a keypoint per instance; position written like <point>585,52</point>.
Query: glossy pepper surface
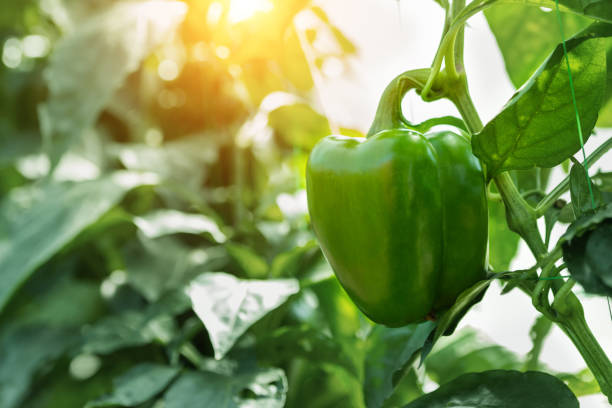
<point>401,218</point>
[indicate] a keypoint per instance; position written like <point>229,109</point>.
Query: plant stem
<point>563,186</point>
<point>595,357</point>
<point>567,312</point>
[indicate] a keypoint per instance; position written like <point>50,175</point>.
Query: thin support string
<point>571,82</point>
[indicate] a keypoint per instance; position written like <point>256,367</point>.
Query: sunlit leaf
<point>167,222</point>
<point>228,306</point>
<point>38,221</point>
<point>542,110</point>
<point>84,72</point>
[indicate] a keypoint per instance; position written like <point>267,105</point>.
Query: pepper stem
<point>389,112</point>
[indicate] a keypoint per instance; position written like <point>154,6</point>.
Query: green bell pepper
<point>400,216</point>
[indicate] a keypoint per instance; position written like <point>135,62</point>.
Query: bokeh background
<point>145,143</point>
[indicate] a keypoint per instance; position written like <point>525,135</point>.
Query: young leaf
<point>38,221</point>
<point>388,353</point>
<point>265,388</point>
<point>500,389</point>
<point>537,127</point>
<point>228,306</point>
<point>137,386</point>
<point>580,192</point>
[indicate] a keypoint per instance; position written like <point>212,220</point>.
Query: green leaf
<point>467,352</point>
<point>288,263</point>
<point>540,329</point>
<point>500,389</point>
<point>526,35</point>
<point>537,127</point>
<point>605,114</point>
<point>388,354</point>
<point>78,92</point>
<point>265,388</point>
<point>25,351</point>
<point>287,343</point>
<point>228,306</point>
<point>586,250</point>
<point>299,125</point>
<point>580,192</point>
<point>253,265</point>
<point>129,329</point>
<point>597,9</point>
<point>503,243</point>
<point>38,221</point>
<point>156,266</point>
<point>447,323</point>
<point>137,386</point>
<point>581,383</point>
<point>166,222</point>
<point>339,312</point>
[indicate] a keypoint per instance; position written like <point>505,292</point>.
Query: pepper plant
<point>155,248</point>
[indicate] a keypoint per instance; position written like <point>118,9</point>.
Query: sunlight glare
<point>243,9</point>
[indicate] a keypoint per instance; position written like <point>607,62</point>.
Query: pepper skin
<point>402,219</point>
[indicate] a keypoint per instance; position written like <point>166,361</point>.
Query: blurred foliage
<point>154,238</point>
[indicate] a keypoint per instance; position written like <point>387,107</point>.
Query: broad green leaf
<point>467,352</point>
<point>137,386</point>
<point>265,388</point>
<point>38,221</point>
<point>166,222</point>
<point>228,306</point>
<point>503,243</point>
<point>253,265</point>
<point>388,354</point>
<point>537,127</point>
<point>596,9</point>
<point>586,250</point>
<point>500,389</point>
<point>526,35</point>
<point>84,72</point>
<point>582,201</point>
<point>605,114</point>
<point>25,351</point>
